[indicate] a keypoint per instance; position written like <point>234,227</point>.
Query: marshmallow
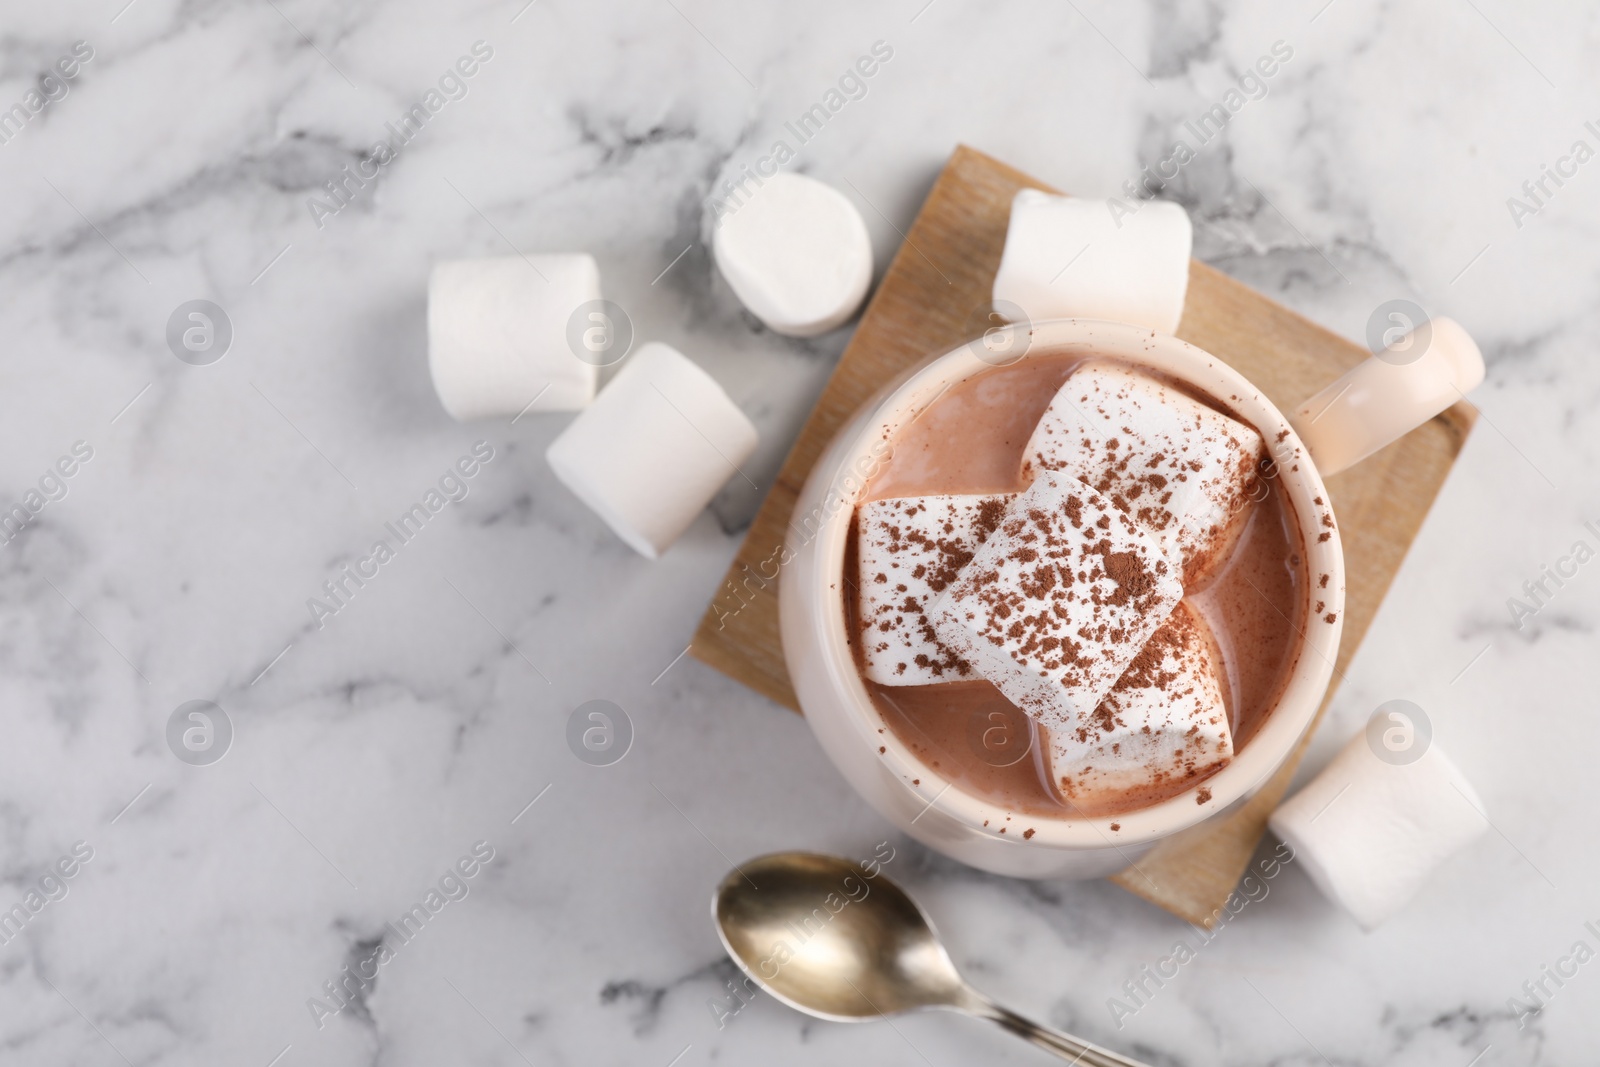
<point>654,448</point>
<point>1180,468</point>
<point>1381,398</point>
<point>1058,601</point>
<point>497,334</point>
<point>1072,258</point>
<point>796,253</point>
<point>910,549</point>
<point>1369,832</point>
<point>1162,724</point>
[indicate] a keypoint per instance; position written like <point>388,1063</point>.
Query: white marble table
<point>372,752</point>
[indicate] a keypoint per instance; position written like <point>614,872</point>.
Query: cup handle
<point>1390,394</point>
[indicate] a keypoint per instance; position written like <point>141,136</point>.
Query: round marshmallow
<point>796,253</point>
<point>653,449</point>
<point>498,334</point>
<point>1461,352</point>
<point>1369,830</point>
<point>1385,396</point>
<point>1069,257</point>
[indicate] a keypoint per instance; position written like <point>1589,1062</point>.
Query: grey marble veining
<point>374,750</point>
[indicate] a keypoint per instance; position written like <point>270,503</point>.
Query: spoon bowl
<point>830,938</point>
<point>823,935</point>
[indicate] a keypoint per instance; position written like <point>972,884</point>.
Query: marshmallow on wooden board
<point>653,449</point>
<point>1163,723</point>
<point>910,549</point>
<point>796,253</point>
<point>1058,601</point>
<point>1369,832</point>
<point>497,334</point>
<point>1419,375</point>
<point>1075,258</point>
<point>1181,469</point>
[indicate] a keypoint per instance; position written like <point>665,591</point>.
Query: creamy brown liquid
<point>1254,598</point>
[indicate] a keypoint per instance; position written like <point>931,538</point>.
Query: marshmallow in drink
<point>1075,258</point>
<point>1058,600</point>
<point>796,253</point>
<point>1370,832</point>
<point>910,549</point>
<point>1164,722</point>
<point>497,334</point>
<point>653,449</point>
<point>1181,469</point>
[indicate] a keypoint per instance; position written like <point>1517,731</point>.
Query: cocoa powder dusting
<point>1022,603</point>
<point>1128,571</point>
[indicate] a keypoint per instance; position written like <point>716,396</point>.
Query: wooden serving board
<point>941,274</point>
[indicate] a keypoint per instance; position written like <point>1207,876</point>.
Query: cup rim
<point>1301,694</point>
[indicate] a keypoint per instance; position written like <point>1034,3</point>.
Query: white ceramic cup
<point>1373,404</point>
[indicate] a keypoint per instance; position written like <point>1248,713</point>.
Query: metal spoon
<point>826,937</point>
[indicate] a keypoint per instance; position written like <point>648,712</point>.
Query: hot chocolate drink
<point>1079,589</point>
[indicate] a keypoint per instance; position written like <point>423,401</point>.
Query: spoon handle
<point>1063,1045</point>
